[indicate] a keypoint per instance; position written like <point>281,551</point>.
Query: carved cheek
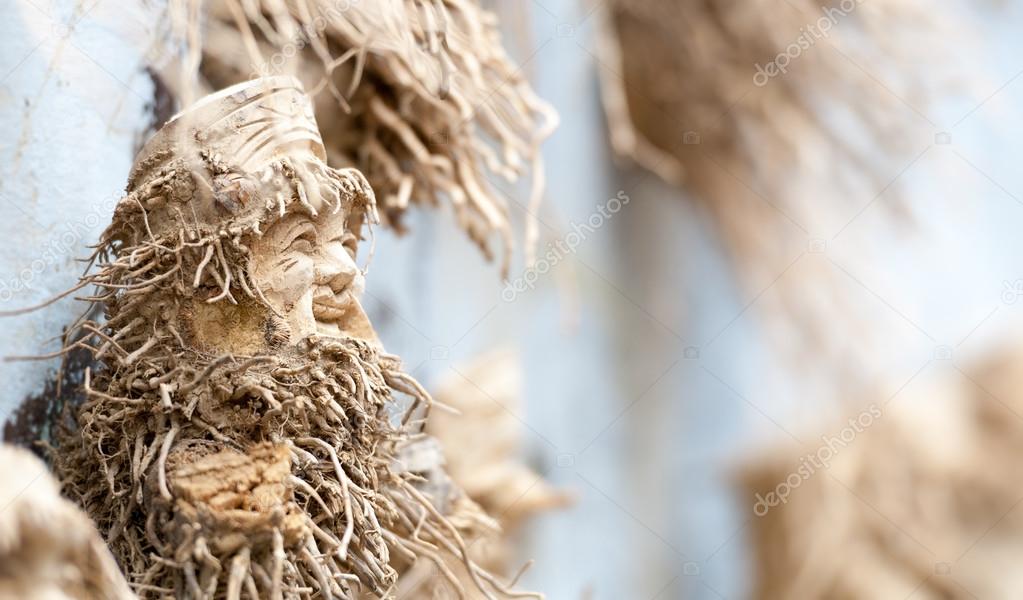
<point>291,281</point>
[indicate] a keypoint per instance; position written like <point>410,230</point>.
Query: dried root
<point>706,93</point>
<point>419,95</point>
<point>482,443</point>
<point>480,449</point>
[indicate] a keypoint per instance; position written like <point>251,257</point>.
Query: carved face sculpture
<point>304,264</point>
<point>247,165</point>
<point>230,289</point>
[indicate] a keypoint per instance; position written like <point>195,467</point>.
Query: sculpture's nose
<point>335,267</point>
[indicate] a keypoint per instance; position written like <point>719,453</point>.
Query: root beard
<point>267,476</point>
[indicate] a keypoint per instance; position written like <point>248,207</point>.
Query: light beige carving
<point>49,550</point>
<point>238,498</point>
<point>244,422</point>
<point>302,257</point>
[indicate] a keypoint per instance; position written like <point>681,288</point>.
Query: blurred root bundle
<point>782,118</point>
<point>744,101</point>
<point>921,503</point>
<point>418,95</point>
<point>49,550</point>
<point>480,450</point>
<point>482,445</point>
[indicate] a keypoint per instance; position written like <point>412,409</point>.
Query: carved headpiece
<point>236,159</point>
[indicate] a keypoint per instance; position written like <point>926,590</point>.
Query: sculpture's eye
<point>304,239</point>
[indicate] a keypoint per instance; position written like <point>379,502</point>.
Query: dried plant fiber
<point>751,93</point>
<point>481,450</point>
<point>418,95</point>
<point>483,444</point>
<point>785,120</point>
<point>921,504</point>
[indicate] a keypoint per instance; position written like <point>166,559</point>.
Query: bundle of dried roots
<point>480,449</point>
<point>418,95</point>
<point>920,501</point>
<point>785,119</point>
<point>756,98</point>
<point>483,443</point>
<point>49,550</point>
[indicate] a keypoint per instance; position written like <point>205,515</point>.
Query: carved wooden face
<point>305,267</point>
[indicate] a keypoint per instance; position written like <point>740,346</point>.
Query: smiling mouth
<point>340,313</point>
<point>322,312</point>
<point>331,306</point>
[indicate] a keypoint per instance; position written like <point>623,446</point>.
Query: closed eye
<point>303,239</point>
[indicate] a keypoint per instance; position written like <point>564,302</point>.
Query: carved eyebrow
<point>299,229</point>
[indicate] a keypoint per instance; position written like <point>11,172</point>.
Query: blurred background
<point>671,377</point>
